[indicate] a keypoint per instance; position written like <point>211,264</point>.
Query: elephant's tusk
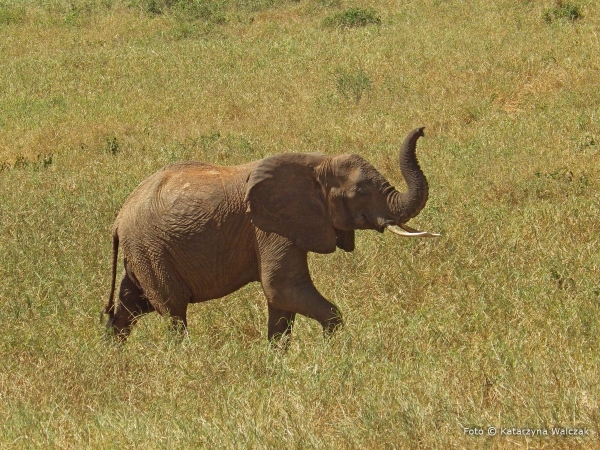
<point>412,230</point>
<point>407,231</point>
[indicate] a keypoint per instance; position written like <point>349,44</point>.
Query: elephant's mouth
<point>377,224</point>
<point>364,221</point>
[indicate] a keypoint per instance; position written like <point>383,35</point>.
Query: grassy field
<point>496,324</point>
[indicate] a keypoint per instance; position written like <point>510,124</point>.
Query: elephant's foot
<point>115,332</point>
<point>330,326</point>
<point>179,328</point>
<point>281,324</point>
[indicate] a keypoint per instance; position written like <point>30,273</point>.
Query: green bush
<point>352,18</point>
<point>562,11</point>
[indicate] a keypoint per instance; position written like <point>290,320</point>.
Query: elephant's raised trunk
<point>406,205</point>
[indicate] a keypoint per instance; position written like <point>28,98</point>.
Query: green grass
<point>494,324</point>
<point>352,17</point>
<point>562,11</point>
<point>353,84</point>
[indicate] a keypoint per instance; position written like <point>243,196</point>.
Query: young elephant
<point>194,232</point>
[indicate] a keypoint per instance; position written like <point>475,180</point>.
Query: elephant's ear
<point>345,239</point>
<point>285,197</point>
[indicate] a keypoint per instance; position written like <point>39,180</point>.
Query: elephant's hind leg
<point>132,305</point>
<point>171,297</point>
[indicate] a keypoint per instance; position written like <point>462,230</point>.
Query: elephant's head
<point>318,201</point>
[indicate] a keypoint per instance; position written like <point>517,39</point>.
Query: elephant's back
<point>185,188</point>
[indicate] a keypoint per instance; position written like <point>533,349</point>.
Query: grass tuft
<point>11,14</point>
<point>353,18</point>
<point>213,11</point>
<point>21,162</point>
<point>562,11</point>
<point>352,85</point>
<point>112,145</point>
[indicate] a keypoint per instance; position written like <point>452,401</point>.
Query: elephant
<point>193,232</point>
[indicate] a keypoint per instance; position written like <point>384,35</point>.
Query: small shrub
<point>20,162</point>
<point>352,85</point>
<point>112,145</point>
<point>154,7</point>
<point>43,161</point>
<point>206,10</point>
<point>562,11</point>
<point>187,11</point>
<point>352,18</point>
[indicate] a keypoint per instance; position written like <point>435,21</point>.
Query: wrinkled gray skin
<point>194,232</point>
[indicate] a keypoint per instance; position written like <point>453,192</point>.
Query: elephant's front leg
<point>280,323</point>
<point>289,289</point>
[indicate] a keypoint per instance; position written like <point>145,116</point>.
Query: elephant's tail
<point>110,307</point>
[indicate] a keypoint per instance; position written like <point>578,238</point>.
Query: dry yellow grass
<point>495,324</point>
